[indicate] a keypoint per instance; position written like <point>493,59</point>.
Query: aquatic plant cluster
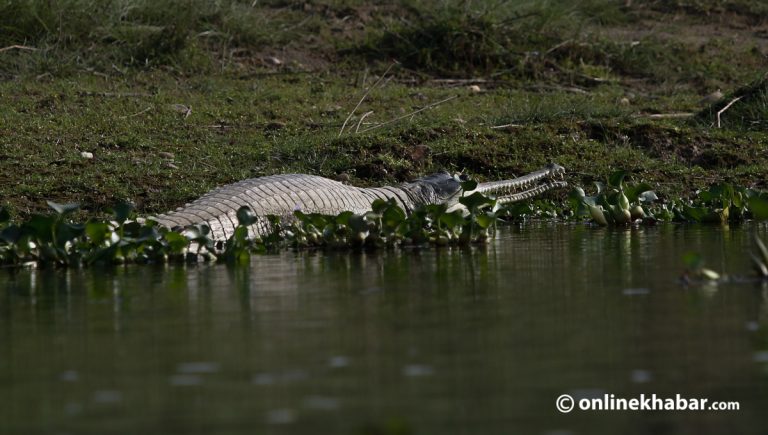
<point>619,204</point>
<point>55,239</point>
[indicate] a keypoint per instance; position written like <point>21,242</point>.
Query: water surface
<point>413,341</point>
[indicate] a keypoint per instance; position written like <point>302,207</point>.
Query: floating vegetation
<point>720,203</point>
<point>618,204</point>
<point>614,203</point>
<point>696,272</point>
<point>56,240</point>
<point>695,269</point>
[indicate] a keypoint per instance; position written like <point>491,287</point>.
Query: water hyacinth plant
<point>619,204</point>
<point>55,240</point>
<point>615,203</point>
<point>721,203</point>
<point>696,270</point>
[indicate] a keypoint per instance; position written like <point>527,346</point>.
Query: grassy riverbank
<point>157,102</point>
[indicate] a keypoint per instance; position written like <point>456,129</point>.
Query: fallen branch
<point>137,113</point>
<point>558,46</point>
<point>727,106</point>
<point>571,89</point>
<point>344,125</point>
<point>112,94</point>
<point>459,81</point>
<point>665,115</point>
<point>410,114</point>
<point>498,127</point>
<point>588,78</point>
<point>18,47</point>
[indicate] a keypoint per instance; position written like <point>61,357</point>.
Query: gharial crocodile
<point>281,195</point>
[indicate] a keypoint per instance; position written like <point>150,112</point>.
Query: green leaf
<point>151,234</point>
<point>475,200</point>
<point>738,199</point>
<point>577,193</point>
<point>706,196</point>
<point>11,234</point>
<point>637,212</point>
<point>485,220</point>
<point>40,227</point>
<point>759,207</point>
<point>176,242</point>
<point>379,205</point>
<point>468,185</point>
<point>302,217</point>
<point>597,214</point>
<point>436,210</point>
<point>693,260</point>
<point>241,234</point>
<point>63,209</point>
<point>590,200</point>
<point>344,217</point>
<point>357,223</point>
<point>452,220</point>
<point>121,212</point>
<point>621,215</point>
<point>66,232</point>
<point>599,186</point>
<point>246,216</point>
<point>616,179</point>
<point>664,214</point>
<point>522,209</point>
<point>635,192</point>
<point>623,202</point>
<point>696,214</point>
<point>393,216</point>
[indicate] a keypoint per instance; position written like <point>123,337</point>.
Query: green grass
<point>577,82</point>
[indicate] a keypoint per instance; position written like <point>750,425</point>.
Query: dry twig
<point>344,125</point>
<point>665,115</point>
<point>393,120</point>
<point>137,113</point>
<point>365,115</point>
<point>18,47</point>
<point>112,94</point>
<point>727,106</point>
<point>558,46</point>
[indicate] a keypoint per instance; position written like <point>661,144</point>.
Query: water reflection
<point>475,340</point>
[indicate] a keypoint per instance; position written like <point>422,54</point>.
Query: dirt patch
<point>670,143</point>
<point>662,142</point>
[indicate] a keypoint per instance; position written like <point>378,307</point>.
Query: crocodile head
<point>444,188</point>
<point>525,187</point>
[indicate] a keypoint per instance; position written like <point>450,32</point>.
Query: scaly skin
<point>281,195</point>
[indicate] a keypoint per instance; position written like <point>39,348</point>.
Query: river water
<point>413,341</point>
